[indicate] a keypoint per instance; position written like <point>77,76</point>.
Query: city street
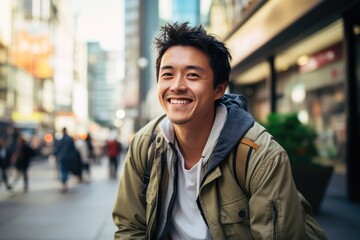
<point>84,212</point>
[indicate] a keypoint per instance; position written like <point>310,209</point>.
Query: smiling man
<point>179,180</point>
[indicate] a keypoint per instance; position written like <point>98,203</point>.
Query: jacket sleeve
<point>275,208</point>
<point>129,213</point>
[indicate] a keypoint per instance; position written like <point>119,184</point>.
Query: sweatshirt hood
<point>238,122</point>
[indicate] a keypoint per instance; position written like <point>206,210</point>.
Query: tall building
<point>104,84</point>
<point>141,21</point>
<point>179,11</point>
<point>26,71</point>
<point>132,58</point>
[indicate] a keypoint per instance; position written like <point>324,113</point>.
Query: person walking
<point>178,180</point>
<point>20,156</point>
<point>90,146</point>
<point>68,159</point>
<point>113,149</point>
<point>83,149</point>
<point>4,164</point>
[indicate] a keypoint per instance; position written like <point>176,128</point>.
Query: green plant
<point>295,137</point>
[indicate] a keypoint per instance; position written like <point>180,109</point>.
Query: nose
<point>178,84</point>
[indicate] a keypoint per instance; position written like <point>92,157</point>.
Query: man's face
<point>185,86</point>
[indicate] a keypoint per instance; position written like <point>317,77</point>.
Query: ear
<point>220,90</point>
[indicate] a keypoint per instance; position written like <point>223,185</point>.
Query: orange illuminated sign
<point>32,53</point>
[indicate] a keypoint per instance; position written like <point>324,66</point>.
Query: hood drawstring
<point>198,175</point>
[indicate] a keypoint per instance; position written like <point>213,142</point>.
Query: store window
<point>311,82</point>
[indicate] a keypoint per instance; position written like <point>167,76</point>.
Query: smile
<point>179,101</point>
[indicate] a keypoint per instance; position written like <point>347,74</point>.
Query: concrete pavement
<point>339,218</point>
<point>84,212</point>
<point>43,213</point>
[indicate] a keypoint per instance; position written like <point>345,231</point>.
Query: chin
<point>178,121</point>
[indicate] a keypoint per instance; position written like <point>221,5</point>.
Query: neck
<point>192,140</point>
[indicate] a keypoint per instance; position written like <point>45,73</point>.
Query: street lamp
<point>120,114</point>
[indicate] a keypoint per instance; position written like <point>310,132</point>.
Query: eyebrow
<point>195,67</point>
<point>166,67</point>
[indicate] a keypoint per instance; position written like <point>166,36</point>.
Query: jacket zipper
<point>172,200</point>
<point>275,218</point>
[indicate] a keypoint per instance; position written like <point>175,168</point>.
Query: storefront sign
<point>322,58</point>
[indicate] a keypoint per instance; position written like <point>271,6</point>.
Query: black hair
<point>195,36</point>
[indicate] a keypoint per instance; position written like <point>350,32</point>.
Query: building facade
<point>105,89</point>
<point>26,71</point>
<point>300,56</point>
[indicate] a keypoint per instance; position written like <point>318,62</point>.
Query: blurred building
<point>300,56</point>
<point>179,11</point>
<point>64,70</point>
<point>43,78</point>
<point>6,99</point>
<point>26,71</point>
<point>141,22</point>
<point>106,93</point>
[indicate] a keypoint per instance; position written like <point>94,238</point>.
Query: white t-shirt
<point>187,221</point>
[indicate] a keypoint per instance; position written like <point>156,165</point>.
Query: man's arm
<point>275,208</point>
<point>129,212</point>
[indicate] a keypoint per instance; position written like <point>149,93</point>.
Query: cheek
<point>159,92</point>
<point>162,87</point>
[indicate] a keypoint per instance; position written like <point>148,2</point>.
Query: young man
<point>191,192</point>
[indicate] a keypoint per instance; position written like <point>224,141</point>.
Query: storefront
<point>308,62</point>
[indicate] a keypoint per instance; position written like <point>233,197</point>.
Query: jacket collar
<point>238,122</point>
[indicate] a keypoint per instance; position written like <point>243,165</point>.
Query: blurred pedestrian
<point>90,146</point>
<point>99,151</point>
<point>68,159</point>
<point>4,164</point>
<point>20,158</point>
<point>83,149</point>
<point>113,149</point>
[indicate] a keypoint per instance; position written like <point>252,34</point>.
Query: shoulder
<point>145,134</point>
<point>143,138</point>
<point>269,151</point>
<point>269,157</point>
<point>139,146</point>
<point>263,138</point>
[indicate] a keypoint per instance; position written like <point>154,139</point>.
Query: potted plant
<point>298,139</point>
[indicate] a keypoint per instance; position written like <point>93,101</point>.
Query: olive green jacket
<point>273,211</point>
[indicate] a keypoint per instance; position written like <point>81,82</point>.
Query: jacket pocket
<point>234,218</point>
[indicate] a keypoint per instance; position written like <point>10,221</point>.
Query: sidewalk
<point>84,212</point>
<point>43,213</point>
<point>339,218</point>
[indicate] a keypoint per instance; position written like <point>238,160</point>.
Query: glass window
<point>311,82</point>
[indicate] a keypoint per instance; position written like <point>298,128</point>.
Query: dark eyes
<point>189,75</point>
<point>193,75</point>
<point>166,75</point>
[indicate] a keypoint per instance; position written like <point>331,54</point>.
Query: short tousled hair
<point>182,34</point>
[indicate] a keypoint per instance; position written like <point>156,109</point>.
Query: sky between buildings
<point>100,20</point>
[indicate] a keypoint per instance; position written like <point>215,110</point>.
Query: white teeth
<point>179,101</point>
